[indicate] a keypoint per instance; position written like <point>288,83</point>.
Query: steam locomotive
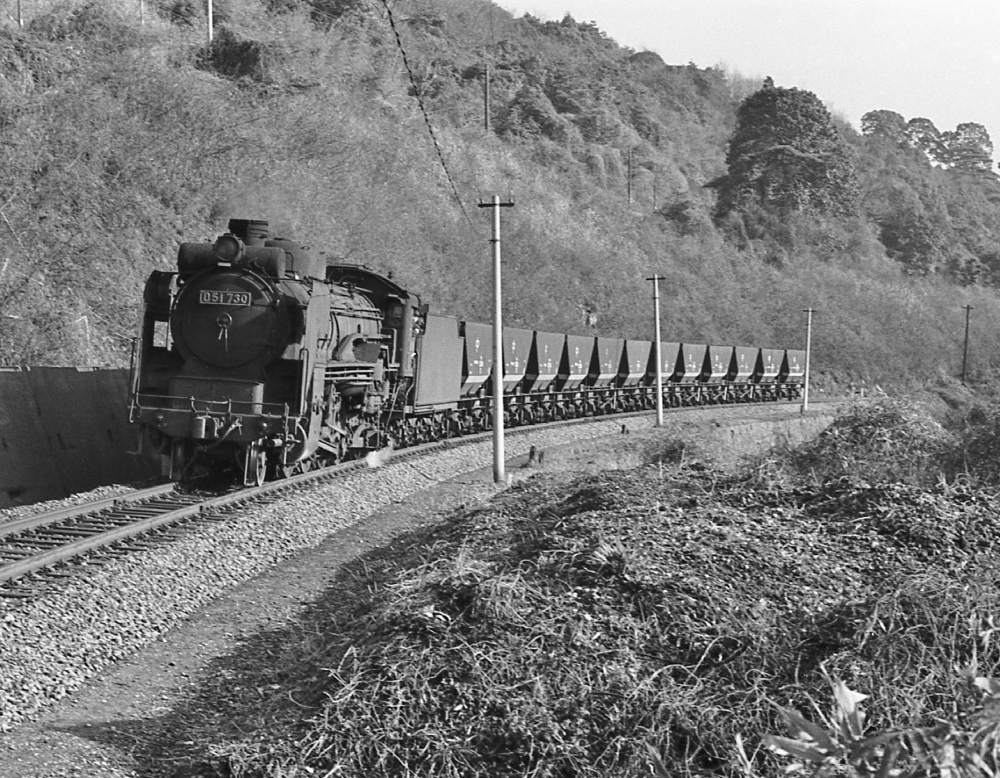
<point>256,355</point>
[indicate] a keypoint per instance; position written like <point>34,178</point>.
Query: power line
<point>423,110</point>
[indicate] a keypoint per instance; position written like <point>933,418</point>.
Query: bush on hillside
<point>531,114</point>
<point>893,441</point>
<point>977,455</point>
<point>193,13</point>
<point>92,25</point>
<point>879,442</point>
<point>236,57</point>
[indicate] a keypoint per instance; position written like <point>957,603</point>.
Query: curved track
<point>46,539</point>
<point>34,551</point>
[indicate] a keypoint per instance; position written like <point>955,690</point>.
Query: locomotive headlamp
<point>229,248</point>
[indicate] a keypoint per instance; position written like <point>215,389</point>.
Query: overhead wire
<point>427,118</point>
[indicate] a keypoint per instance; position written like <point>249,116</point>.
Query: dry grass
<point>888,441</point>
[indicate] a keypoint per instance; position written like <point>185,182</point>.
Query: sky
<point>937,60</point>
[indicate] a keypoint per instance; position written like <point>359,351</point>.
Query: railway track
<point>37,551</point>
<point>40,542</point>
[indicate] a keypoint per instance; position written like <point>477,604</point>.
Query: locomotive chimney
<point>252,232</point>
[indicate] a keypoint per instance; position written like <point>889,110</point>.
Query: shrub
<point>235,57</point>
<point>884,441</point>
<point>965,745</point>
<point>976,453</point>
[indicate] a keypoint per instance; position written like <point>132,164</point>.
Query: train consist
<point>256,355</point>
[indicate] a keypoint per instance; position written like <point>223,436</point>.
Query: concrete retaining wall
<point>734,444</point>
<point>65,430</point>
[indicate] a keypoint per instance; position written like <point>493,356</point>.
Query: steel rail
<point>99,540</point>
<point>18,526</point>
<point>73,549</point>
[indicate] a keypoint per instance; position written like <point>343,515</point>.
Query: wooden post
<point>486,100</point>
<point>629,182</point>
<point>965,349</point>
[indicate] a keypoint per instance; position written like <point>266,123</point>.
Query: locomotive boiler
<point>254,355</point>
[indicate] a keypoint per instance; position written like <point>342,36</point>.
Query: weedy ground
<point>595,627</point>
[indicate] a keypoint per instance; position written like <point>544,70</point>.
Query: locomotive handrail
<point>391,361</point>
<point>304,384</point>
<point>231,406</point>
<point>133,379</point>
<point>133,367</point>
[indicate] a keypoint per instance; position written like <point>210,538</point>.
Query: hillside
<point>362,134</point>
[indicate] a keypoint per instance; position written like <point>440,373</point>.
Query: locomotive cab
<point>402,323</point>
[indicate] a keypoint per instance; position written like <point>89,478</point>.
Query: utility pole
<point>965,350</point>
<point>656,345</point>
<point>210,25</point>
<point>805,377</point>
<point>20,19</point>
<point>486,99</point>
<point>630,176</point>
<point>499,476</point>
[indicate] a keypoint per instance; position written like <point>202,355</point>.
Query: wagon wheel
<point>402,434</point>
<point>340,453</point>
<point>392,437</point>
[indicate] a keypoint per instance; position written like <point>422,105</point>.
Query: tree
<point>911,238</point>
<point>969,147</point>
<point>786,155</point>
<point>884,124</point>
<point>531,114</point>
<point>923,135</point>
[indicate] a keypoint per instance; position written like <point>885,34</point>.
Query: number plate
<point>224,298</point>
